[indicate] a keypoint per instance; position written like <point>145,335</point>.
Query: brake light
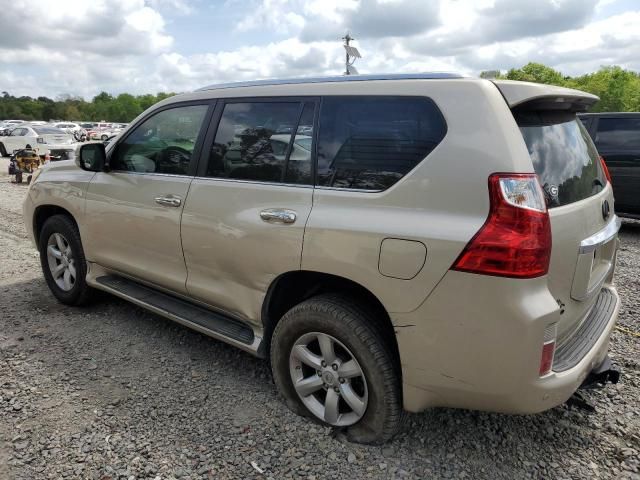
<point>515,240</point>
<point>40,140</point>
<point>605,169</point>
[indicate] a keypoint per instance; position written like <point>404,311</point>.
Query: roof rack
<point>341,78</point>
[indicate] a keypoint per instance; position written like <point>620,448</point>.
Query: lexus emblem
<point>606,210</point>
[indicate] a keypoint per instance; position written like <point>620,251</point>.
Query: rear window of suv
<point>563,156</point>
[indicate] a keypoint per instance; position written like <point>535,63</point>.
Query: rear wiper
<point>597,181</point>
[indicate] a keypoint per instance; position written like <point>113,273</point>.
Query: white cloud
<point>274,14</point>
<point>83,47</point>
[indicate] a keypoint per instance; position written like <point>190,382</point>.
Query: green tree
<point>536,72</point>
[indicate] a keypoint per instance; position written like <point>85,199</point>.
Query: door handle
<point>278,215</point>
<point>169,201</point>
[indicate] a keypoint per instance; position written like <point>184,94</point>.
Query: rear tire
<point>338,318</point>
<point>3,150</point>
<point>63,262</point>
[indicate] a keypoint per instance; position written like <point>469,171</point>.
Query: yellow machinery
<point>24,161</point>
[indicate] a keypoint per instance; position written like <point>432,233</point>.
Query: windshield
<point>563,156</point>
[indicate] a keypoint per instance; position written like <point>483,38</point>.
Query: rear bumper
<point>477,344</point>
<point>60,152</point>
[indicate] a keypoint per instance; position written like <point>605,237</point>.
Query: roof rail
<point>341,78</point>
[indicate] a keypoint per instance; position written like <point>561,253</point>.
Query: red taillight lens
<point>548,349</point>
<point>605,169</point>
<point>546,359</point>
<point>515,240</point>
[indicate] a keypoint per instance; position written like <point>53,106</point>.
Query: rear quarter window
<point>563,155</point>
<point>371,142</point>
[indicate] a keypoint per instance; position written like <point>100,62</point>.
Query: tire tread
<point>355,317</point>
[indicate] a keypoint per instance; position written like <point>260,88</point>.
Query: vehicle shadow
<point>630,226</point>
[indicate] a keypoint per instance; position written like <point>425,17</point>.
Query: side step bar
<point>198,318</point>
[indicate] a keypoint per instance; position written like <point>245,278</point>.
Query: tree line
<point>103,107</point>
<point>618,89</point>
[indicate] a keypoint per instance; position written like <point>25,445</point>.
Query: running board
<point>186,313</point>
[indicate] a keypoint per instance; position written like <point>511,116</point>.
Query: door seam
<point>184,259</point>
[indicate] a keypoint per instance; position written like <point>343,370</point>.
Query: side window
<point>18,132</point>
<point>163,143</point>
<point>254,142</point>
<point>371,142</point>
<point>586,121</point>
<point>618,133</point>
<point>299,162</point>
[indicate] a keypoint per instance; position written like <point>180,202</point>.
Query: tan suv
<point>389,242</point>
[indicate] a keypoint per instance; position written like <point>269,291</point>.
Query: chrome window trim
<point>334,79</point>
<point>255,182</point>
<point>601,237</point>
<point>153,174</point>
<point>347,189</point>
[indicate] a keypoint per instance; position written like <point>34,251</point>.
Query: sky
<point>80,48</point>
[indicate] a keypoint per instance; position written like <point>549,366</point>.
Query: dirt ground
<point>111,391</point>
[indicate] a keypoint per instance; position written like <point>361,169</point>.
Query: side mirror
<point>92,158</point>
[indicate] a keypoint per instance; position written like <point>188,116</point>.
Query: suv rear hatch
<point>579,201</point>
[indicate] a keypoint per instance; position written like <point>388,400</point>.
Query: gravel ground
<point>112,392</point>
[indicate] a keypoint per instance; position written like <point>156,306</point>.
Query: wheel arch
<point>42,213</point>
<point>291,288</point>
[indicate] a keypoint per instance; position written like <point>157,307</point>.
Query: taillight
<point>605,169</point>
<point>515,240</point>
<point>40,140</point>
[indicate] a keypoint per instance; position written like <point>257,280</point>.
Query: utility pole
<point>351,54</point>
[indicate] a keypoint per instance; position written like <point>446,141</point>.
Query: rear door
<point>618,141</point>
<point>132,222</point>
<point>244,219</point>
<point>579,201</point>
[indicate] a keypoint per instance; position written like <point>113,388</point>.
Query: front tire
<point>63,262</point>
<point>330,363</point>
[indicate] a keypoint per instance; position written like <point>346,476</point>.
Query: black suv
<point>617,137</point>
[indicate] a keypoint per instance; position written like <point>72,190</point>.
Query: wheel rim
<point>61,262</point>
<point>328,379</point>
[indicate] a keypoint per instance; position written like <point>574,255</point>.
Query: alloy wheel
<point>328,379</point>
<point>61,262</point>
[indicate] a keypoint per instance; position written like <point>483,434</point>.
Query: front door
<point>133,211</point>
<point>244,219</point>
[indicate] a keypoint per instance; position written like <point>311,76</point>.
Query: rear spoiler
<point>538,96</point>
